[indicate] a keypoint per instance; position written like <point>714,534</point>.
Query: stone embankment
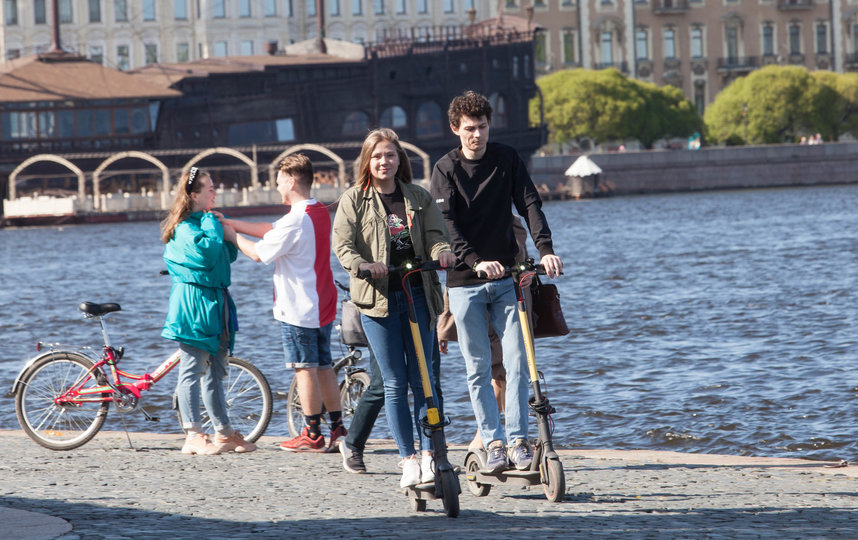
<point>106,490</point>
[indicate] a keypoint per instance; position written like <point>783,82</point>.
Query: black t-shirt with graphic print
<point>401,246</point>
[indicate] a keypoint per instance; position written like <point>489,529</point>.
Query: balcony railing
<point>667,7</point>
<point>623,67</point>
<point>789,5</point>
<point>738,63</point>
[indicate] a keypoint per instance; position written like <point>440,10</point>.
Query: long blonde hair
<point>362,174</point>
<point>189,182</point>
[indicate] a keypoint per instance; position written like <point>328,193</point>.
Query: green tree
<point>836,104</point>
<point>780,106</point>
<point>605,105</point>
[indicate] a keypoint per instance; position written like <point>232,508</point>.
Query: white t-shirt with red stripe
<point>300,247</point>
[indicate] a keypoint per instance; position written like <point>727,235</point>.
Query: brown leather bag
<point>548,320</point>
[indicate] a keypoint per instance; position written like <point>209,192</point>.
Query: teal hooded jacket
<point>198,260</point>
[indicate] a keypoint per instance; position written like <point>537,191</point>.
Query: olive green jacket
<point>361,234</point>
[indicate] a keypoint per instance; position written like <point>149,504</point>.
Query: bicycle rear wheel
<point>351,390</point>
<point>66,425</point>
<point>248,400</point>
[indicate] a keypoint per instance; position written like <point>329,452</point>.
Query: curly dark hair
<point>469,104</point>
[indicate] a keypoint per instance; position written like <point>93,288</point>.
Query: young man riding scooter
<point>474,186</point>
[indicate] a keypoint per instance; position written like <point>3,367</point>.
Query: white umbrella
<point>583,166</point>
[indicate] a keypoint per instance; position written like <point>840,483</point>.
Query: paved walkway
<point>105,490</point>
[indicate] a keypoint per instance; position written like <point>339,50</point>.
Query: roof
<point>63,76</point>
<point>165,75</point>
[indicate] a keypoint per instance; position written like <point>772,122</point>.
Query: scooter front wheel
<point>554,484</point>
<point>450,493</point>
<point>472,467</point>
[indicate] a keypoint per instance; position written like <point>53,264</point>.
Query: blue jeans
<point>306,347</point>
<point>200,372</point>
<point>469,305</point>
<point>372,401</point>
<point>391,343</point>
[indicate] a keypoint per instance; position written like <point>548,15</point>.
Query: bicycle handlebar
<point>407,267</point>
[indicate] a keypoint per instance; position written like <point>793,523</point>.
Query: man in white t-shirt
<point>305,298</point>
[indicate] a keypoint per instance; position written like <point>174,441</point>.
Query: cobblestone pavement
<point>106,490</point>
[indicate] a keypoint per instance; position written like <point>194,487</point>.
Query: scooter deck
<point>512,477</point>
<point>426,491</point>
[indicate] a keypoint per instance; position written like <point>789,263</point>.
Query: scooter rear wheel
<point>472,467</point>
<point>555,485</point>
<point>450,495</point>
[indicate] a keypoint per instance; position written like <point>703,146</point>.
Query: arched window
<point>499,119</point>
<point>394,117</point>
<point>356,123</point>
<point>429,120</point>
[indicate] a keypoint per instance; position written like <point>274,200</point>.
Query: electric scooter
<point>446,485</point>
<point>546,468</point>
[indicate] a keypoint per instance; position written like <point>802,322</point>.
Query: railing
<point>623,67</point>
<point>423,40</point>
<point>788,5</point>
<point>667,7</point>
<point>739,63</point>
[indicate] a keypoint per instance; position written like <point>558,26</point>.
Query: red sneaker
<point>304,443</point>
<point>340,431</point>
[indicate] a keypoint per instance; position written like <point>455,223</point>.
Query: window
<point>65,124</point>
<point>335,7</point>
<point>270,8</point>
<point>696,43</point>
<point>96,54</point>
<point>311,8</point>
<point>94,11</point>
<point>539,48</point>
<point>246,48</point>
<point>285,129</point>
<point>378,7</point>
<point>151,53</point>
<point>244,8</point>
<point>607,49</point>
<point>568,48</point>
<point>700,98</point>
<point>40,14</point>
<point>289,11</point>
<point>499,118</point>
<point>448,6</point>
<point>356,123</point>
<point>121,122</point>
<point>85,127</point>
<point>180,9</point>
<point>219,9</point>
<point>422,6</point>
<point>220,48</point>
<point>357,7</point>
<point>794,39</point>
<point>120,10</point>
<point>183,52</point>
<point>670,43</point>
<point>732,45</point>
<point>641,51</point>
<point>393,117</point>
<point>511,4</point>
<point>515,67</point>
<point>429,120</point>
<point>264,131</point>
<point>11,12</point>
<point>821,38</point>
<point>401,8</point>
<point>768,40</point>
<point>122,57</point>
<point>102,122</point>
<point>148,10</point>
<point>65,11</point>
<point>12,54</point>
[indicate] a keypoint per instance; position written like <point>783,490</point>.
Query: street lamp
<point>745,120</point>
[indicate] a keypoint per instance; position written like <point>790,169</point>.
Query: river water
<point>716,322</point>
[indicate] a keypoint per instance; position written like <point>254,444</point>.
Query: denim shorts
<point>306,347</point>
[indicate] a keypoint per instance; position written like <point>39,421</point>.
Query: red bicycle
<point>62,395</point>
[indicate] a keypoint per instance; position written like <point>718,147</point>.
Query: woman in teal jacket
<point>201,316</point>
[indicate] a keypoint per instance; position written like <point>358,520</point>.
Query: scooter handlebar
<point>406,267</point>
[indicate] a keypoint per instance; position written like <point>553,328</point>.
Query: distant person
<point>201,316</point>
<point>474,185</point>
<point>305,298</point>
<point>386,219</point>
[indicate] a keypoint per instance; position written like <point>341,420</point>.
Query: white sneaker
<point>410,471</point>
<point>427,469</point>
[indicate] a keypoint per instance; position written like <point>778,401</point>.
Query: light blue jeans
<point>200,372</point>
<point>391,343</point>
<point>469,305</point>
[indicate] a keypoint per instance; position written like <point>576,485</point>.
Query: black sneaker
<point>352,459</point>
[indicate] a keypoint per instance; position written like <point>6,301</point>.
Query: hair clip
<point>192,175</point>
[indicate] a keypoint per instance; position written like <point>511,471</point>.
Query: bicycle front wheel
<point>248,400</point>
<point>60,424</point>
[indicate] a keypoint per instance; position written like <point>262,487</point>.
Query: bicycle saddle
<point>96,310</point>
